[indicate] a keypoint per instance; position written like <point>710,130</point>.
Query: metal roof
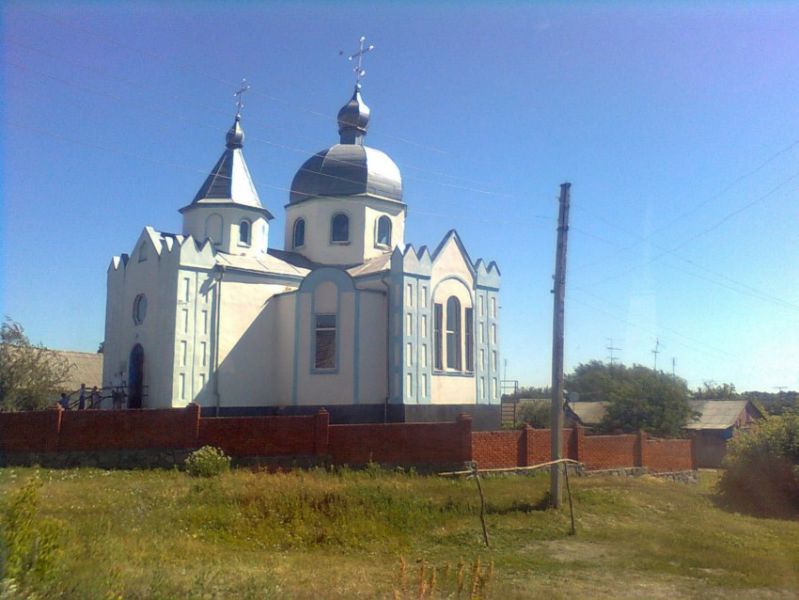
<point>716,414</point>
<point>378,264</point>
<point>265,263</point>
<point>348,168</point>
<point>230,182</point>
<point>589,413</point>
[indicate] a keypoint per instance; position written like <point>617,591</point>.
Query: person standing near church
<point>82,397</point>
<point>64,401</point>
<point>94,399</point>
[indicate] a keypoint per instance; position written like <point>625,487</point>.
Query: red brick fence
<point>57,431</point>
<point>525,447</point>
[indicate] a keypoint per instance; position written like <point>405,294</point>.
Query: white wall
<point>195,219</point>
<point>363,213</point>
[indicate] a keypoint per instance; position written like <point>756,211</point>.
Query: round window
<point>139,309</point>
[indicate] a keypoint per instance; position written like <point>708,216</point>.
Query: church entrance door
<point>136,377</point>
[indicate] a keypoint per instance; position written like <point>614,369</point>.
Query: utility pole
<point>656,351</point>
<point>611,348</point>
<point>559,291</point>
<point>673,367</point>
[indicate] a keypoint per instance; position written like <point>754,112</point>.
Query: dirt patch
<point>574,550</point>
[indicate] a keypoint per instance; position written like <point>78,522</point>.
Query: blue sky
<point>676,123</point>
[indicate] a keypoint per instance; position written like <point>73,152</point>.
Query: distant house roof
<point>713,414</point>
<point>588,413</point>
<point>85,367</point>
<point>722,414</point>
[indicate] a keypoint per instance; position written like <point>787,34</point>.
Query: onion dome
<point>353,119</point>
<point>348,168</point>
<point>235,136</point>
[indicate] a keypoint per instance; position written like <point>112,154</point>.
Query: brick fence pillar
<point>192,439</point>
<point>464,423</point>
<point>641,457</point>
<point>321,432</point>
<point>526,442</point>
<point>53,435</point>
<point>578,433</point>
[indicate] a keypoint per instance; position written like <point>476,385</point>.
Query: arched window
<point>340,228</point>
<point>383,231</point>
<point>298,239</point>
<point>454,334</point>
<point>244,233</point>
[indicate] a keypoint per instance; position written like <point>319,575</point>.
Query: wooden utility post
<point>559,292</point>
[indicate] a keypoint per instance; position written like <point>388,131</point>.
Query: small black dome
<point>353,119</point>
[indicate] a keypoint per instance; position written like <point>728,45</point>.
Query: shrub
<point>536,413</point>
<point>207,462</point>
<point>761,468</point>
<point>28,544</point>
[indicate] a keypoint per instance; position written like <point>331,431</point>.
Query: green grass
<point>315,534</point>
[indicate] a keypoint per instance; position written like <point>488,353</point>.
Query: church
<point>345,316</point>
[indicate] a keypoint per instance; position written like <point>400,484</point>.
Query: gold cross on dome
<point>238,94</point>
<point>359,70</point>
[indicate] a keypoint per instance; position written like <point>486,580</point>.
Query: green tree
<point>711,391</point>
<point>774,403</point>
<point>637,397</point>
<point>528,392</point>
<point>536,413</point>
<point>29,374</point>
<point>761,467</point>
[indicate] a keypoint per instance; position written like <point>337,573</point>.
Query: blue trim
<point>337,358</point>
<point>486,287</point>
<point>356,352</point>
<point>341,279</point>
<point>298,300</point>
<point>454,373</point>
<point>457,278</point>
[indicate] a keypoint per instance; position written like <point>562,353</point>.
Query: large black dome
<point>347,170</point>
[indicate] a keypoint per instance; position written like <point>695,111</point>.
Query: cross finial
<point>238,94</point>
<point>358,69</point>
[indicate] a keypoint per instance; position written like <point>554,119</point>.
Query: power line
<point>611,349</point>
<point>695,208</point>
<point>752,291</point>
<point>690,342</point>
<point>758,293</point>
<point>755,293</point>
<point>251,138</point>
<point>742,365</point>
<point>656,351</point>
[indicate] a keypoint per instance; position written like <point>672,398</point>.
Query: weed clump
<point>28,544</point>
<point>207,462</point>
<point>762,468</point>
<point>451,584</point>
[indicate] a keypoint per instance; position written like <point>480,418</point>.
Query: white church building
<point>345,316</point>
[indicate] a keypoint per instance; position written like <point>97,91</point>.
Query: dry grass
<point>372,534</point>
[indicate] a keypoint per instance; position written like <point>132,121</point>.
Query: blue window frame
<point>383,231</point>
<point>298,238</point>
<point>340,228</point>
<point>244,233</point>
<point>325,342</point>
